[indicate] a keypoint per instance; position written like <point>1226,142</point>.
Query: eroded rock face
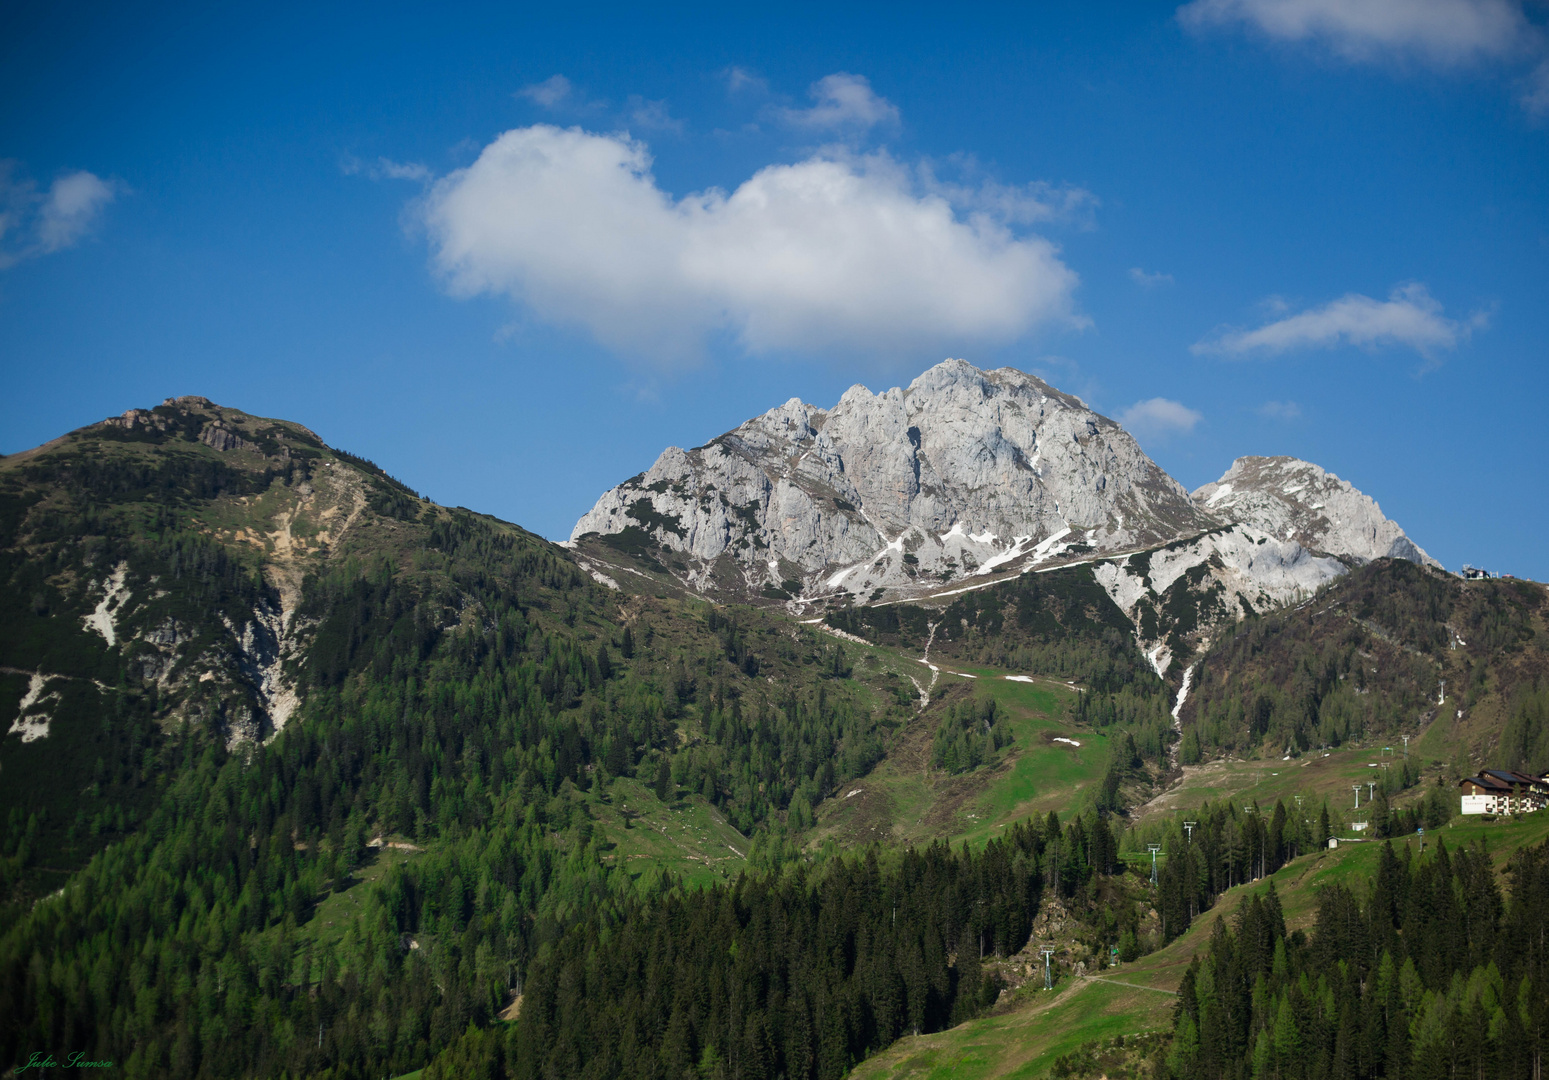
<point>1296,500</point>
<point>218,437</point>
<point>961,474</point>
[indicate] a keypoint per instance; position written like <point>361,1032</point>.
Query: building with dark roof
<point>1504,791</point>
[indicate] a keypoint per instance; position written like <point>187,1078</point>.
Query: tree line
<point>1430,974</point>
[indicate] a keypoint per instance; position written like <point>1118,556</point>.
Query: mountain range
<point>305,774</point>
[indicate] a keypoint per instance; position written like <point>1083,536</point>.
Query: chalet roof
<point>1487,781</point>
<point>1512,777</point>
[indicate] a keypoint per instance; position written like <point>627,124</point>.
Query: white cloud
<point>559,94</point>
<point>1410,316</point>
<point>550,93</point>
<point>1443,32</point>
<point>1149,280</point>
<point>1280,410</point>
<point>1159,416</point>
<point>41,223</point>
<point>843,101</point>
<point>831,252</point>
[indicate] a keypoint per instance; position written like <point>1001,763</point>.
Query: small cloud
<point>1280,410</point>
<point>71,209</point>
<point>386,169</point>
<point>1159,416</point>
<point>843,101</point>
<point>405,170</point>
<point>652,115</point>
<point>739,80</point>
<point>1011,204</point>
<point>550,93</point>
<point>1149,280</point>
<point>1410,317</point>
<point>1443,34</point>
<point>47,222</point>
<point>1066,374</point>
<point>1055,360</point>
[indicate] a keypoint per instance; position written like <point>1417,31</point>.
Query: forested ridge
<point>1376,653</point>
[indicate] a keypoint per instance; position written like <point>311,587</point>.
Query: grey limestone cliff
<point>1296,500</point>
<point>962,473</point>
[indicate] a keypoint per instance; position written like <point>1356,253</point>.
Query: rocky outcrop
<point>1296,500</point>
<point>963,473</point>
<point>219,437</point>
<point>221,429</point>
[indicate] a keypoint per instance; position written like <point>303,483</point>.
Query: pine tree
<point>664,786</point>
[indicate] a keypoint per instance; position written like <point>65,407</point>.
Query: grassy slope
<point>906,800</point>
<point>1024,1039</point>
<point>687,837</point>
<point>1314,776</point>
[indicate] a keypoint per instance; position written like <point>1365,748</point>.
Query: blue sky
<point>510,253</point>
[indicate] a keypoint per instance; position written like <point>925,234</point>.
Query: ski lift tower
<point>1048,980</point>
<point>1153,849</point>
<point>1191,826</point>
<point>1357,789</point>
<point>1406,746</point>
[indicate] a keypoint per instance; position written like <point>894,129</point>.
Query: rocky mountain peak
<point>962,472</point>
<point>1292,499</point>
